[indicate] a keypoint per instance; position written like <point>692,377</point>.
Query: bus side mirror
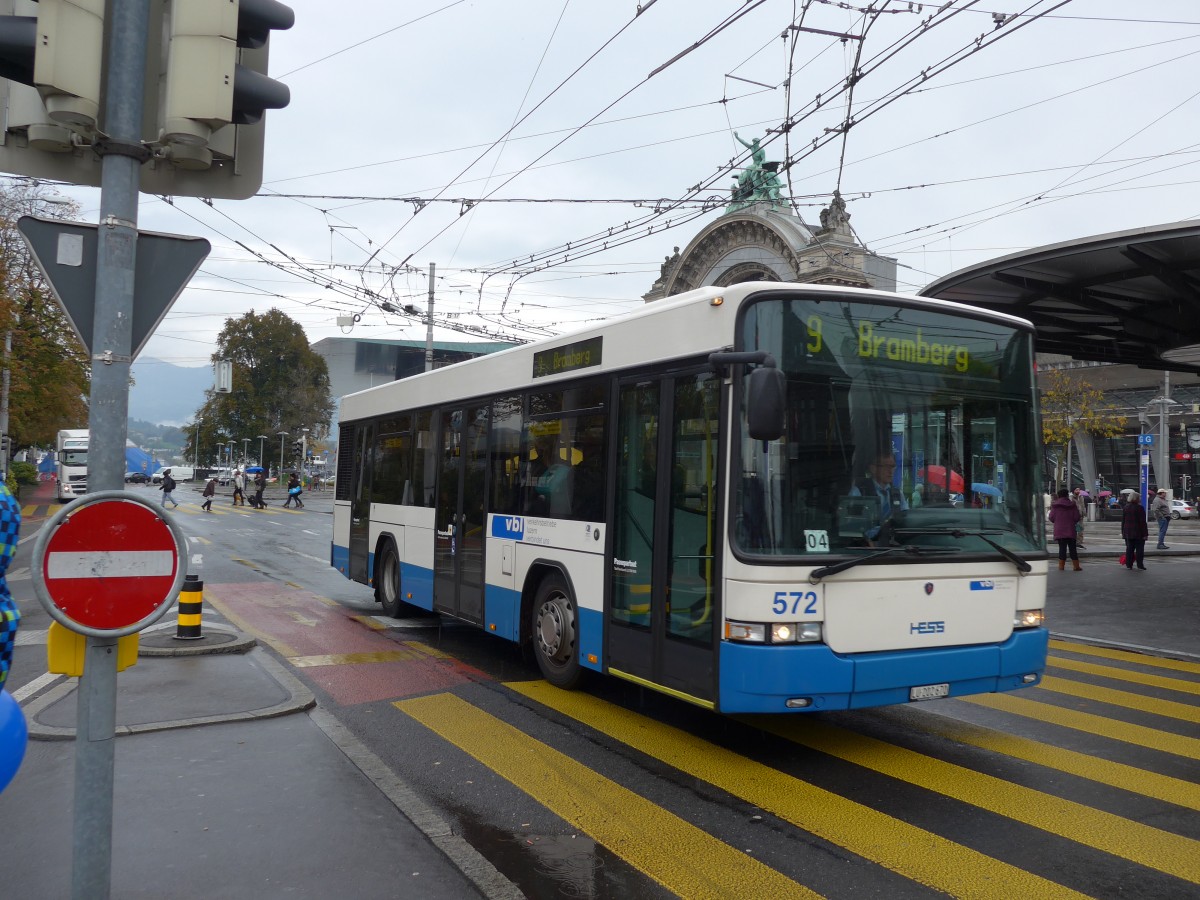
<point>765,402</point>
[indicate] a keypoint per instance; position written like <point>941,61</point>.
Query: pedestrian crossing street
<point>33,512</point>
<point>1088,785</point>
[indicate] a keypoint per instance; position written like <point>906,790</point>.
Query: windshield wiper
<point>816,575</point>
<point>1022,566</point>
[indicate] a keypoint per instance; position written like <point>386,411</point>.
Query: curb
<point>157,641</point>
<point>299,699</point>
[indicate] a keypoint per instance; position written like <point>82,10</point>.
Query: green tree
<point>49,372</point>
<point>279,384</point>
<point>1070,406</point>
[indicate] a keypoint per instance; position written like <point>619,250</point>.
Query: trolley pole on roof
<point>429,324</point>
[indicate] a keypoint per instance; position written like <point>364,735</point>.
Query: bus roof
<point>680,327</point>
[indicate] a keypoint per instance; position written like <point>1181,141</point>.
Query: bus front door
<point>458,540</point>
<point>360,505</point>
<point>661,615</point>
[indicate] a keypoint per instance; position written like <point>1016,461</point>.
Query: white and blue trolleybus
<point>765,497</point>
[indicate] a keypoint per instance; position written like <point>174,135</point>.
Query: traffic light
<point>297,446</point>
<point>5,446</point>
<point>205,88</point>
<point>205,94</point>
<point>51,52</point>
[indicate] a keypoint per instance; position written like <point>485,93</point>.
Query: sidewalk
<point>229,782</point>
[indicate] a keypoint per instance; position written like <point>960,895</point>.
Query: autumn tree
<point>279,384</point>
<point>1072,406</point>
<point>48,369</point>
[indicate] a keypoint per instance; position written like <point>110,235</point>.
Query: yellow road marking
<point>370,622</point>
<point>1141,659</point>
<point>351,659</point>
<point>1168,708</point>
<point>1126,732</point>
<point>1152,847</point>
<point>427,650</point>
<point>1158,681</point>
<point>682,858</point>
<point>913,852</point>
<point>1093,768</point>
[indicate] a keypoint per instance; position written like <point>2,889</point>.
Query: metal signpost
<point>84,66</point>
<point>105,565</point>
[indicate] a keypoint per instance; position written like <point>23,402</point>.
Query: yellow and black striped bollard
<point>191,601</point>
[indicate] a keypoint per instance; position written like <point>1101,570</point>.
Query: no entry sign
<point>109,564</point>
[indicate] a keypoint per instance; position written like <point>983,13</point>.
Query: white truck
<point>71,452</point>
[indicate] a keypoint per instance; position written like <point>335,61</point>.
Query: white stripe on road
<point>111,564</point>
<point>28,690</point>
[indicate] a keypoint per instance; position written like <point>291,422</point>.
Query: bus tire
<point>387,581</point>
<point>555,628</point>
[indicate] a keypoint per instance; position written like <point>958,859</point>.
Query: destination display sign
<point>569,358</point>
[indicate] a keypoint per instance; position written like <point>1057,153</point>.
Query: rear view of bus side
<point>760,498</point>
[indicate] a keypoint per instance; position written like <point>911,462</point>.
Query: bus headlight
<point>774,633</point>
<point>1029,618</point>
<point>746,631</point>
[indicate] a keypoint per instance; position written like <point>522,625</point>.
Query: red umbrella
<point>937,475</point>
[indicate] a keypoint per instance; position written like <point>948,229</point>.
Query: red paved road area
<point>301,625</point>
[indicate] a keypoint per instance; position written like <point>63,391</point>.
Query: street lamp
<point>245,450</point>
<point>261,438</point>
<point>282,435</point>
<point>303,447</point>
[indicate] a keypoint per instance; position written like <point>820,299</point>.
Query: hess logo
<point>926,627</point>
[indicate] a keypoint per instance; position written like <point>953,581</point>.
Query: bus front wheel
<point>555,633</point>
<point>387,581</point>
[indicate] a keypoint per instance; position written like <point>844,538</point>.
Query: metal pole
<point>282,435</point>
<point>116,258</point>
<point>1164,434</point>
<point>197,447</point>
<point>429,324</point>
<point>4,382</point>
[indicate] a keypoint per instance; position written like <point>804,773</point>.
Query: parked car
<point>136,478</point>
<point>1181,509</point>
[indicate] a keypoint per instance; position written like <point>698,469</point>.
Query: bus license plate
<point>929,691</point>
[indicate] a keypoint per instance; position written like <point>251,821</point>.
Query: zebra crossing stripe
<point>915,853</point>
<point>684,859</point>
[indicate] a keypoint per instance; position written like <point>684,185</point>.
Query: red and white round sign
<point>109,564</point>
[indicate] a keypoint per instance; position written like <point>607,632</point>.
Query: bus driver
<point>878,483</point>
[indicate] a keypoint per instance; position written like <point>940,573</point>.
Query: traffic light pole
<point>122,155</point>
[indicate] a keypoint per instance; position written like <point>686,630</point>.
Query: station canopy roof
<point>1130,297</point>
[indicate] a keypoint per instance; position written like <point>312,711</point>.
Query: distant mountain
<point>165,393</point>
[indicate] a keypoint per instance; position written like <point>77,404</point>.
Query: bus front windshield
<point>906,427</point>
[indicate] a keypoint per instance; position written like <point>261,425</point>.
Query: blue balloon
<point>13,737</point>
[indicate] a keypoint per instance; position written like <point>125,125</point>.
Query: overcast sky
<point>1081,122</point>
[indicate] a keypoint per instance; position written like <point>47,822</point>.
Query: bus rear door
<point>460,517</point>
<point>360,504</point>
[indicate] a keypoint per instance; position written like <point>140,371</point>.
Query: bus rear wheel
<point>387,581</point>
<point>556,633</point>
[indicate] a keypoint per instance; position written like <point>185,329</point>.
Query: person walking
<point>1081,505</point>
<point>167,486</point>
<point>1161,510</point>
<point>260,485</point>
<point>1065,516</point>
<point>294,490</point>
<point>239,488</point>
<point>1135,532</point>
<point>210,491</point>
